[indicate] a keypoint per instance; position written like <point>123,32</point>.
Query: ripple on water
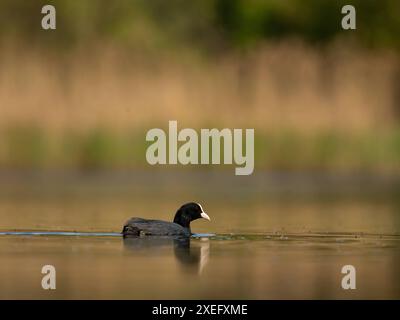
<point>267,236</point>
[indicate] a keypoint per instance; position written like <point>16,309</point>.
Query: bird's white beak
<point>205,216</point>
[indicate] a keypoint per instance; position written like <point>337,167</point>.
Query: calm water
<point>275,236</point>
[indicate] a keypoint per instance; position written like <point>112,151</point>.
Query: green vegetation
<point>102,149</point>
<point>204,24</point>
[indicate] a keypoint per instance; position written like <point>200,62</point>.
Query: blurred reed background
<point>76,103</point>
<point>83,96</point>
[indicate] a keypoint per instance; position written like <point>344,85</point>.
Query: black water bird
<point>135,227</point>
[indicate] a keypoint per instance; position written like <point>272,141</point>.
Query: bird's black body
<point>135,227</point>
<point>140,227</point>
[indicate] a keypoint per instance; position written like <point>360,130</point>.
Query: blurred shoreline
<point>332,109</point>
<point>140,182</point>
<point>378,152</point>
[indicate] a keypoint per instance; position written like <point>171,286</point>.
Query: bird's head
<point>189,212</point>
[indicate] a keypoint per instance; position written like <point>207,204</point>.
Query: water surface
<point>271,236</point>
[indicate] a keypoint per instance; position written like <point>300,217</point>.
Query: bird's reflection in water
<point>191,254</point>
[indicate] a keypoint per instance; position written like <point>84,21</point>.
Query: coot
<point>180,227</point>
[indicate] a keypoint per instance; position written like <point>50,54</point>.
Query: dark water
<point>271,236</point>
